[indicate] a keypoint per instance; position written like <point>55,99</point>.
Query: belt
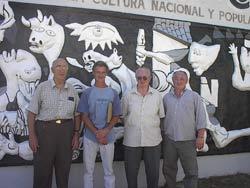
<point>57,121</point>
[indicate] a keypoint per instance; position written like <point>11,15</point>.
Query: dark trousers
<point>186,152</point>
<point>151,157</point>
<point>54,150</point>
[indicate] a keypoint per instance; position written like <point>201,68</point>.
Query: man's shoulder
<point>44,84</point>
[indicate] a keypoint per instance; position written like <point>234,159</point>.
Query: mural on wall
<point>218,71</point>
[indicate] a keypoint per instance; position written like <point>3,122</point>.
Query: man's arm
<point>75,139</point>
<point>200,140</point>
<point>33,142</point>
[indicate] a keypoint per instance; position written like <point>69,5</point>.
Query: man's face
<point>60,70</point>
<point>180,80</point>
<point>100,73</point>
<point>143,77</point>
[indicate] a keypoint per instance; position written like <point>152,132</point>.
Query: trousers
<point>89,156</point>
<point>54,152</point>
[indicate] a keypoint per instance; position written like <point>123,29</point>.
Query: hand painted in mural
<point>96,33</point>
<point>201,57</point>
<point>47,37</point>
<point>22,73</point>
<point>8,18</point>
<point>240,83</point>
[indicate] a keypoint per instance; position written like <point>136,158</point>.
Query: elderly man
<point>184,128</point>
<point>53,127</point>
<point>142,110</point>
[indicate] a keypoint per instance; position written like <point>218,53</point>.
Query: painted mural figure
<point>22,73</point>
<point>100,109</point>
<point>201,57</point>
<point>185,116</point>
<point>101,33</point>
<point>220,135</point>
<point>47,37</point>
<point>54,127</point>
<point>7,13</point>
<point>96,33</point>
<point>240,83</point>
<point>142,109</point>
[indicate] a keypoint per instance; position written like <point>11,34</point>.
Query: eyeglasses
<point>142,78</point>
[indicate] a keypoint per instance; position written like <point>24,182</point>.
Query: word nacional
<point>154,5</point>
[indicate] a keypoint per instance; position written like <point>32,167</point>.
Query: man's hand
<point>75,141</point>
<point>199,143</point>
<point>101,135</point>
<point>33,143</point>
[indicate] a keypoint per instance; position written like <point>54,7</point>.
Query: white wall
<point>21,176</point>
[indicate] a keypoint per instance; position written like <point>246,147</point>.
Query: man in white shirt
<point>142,110</point>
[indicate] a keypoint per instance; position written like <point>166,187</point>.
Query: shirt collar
<point>150,91</point>
<point>53,84</point>
<point>172,91</point>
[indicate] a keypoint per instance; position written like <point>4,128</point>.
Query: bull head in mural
<point>47,37</point>
<point>22,73</point>
<point>8,18</point>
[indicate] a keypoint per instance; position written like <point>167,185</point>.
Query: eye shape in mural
<point>96,33</point>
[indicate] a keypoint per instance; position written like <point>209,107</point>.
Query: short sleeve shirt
<point>95,102</point>
<point>184,115</point>
<point>50,103</point>
<point>141,116</point>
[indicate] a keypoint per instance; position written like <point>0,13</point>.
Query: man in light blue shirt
<point>184,129</point>
<point>100,109</point>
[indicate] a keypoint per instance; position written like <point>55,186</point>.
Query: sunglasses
<point>142,78</point>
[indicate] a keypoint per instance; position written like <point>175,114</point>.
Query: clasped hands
<point>101,135</point>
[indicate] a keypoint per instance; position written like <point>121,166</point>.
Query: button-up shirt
<point>142,118</point>
<point>184,115</point>
<point>50,103</point>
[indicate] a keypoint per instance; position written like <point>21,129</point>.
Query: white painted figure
<point>209,93</point>
<point>47,37</point>
<point>201,57</point>
<point>22,73</point>
<point>7,13</point>
<point>240,83</point>
<point>96,33</point>
<point>220,135</point>
<point>11,147</point>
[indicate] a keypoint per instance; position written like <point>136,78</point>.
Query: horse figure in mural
<point>47,37</point>
<point>22,73</point>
